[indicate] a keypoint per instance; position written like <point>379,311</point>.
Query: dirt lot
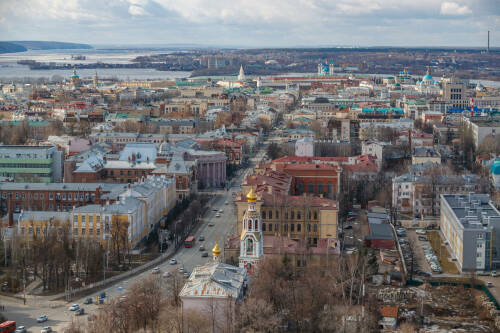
<point>440,309</point>
<point>441,252</point>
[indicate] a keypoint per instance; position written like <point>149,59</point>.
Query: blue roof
<point>495,168</point>
<point>382,110</point>
<point>427,77</point>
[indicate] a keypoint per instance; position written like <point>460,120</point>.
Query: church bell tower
<point>251,242</point>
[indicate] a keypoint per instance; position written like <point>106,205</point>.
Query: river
<point>9,69</point>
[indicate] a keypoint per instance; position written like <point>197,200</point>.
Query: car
<point>42,319</point>
<point>165,275</point>
<point>348,227</point>
<point>221,211</point>
<point>21,329</point>
<point>74,307</point>
<point>494,273</point>
<point>181,269</point>
<point>217,215</point>
<point>88,300</point>
<point>422,238</point>
<point>482,273</point>
<point>420,231</point>
<point>226,203</point>
<point>201,239</point>
<point>211,224</point>
<point>79,312</point>
<point>202,248</point>
<point>173,261</point>
<point>215,210</point>
<point>46,329</point>
<point>155,270</point>
<point>186,274</point>
<point>351,214</point>
<point>204,254</point>
<point>490,284</point>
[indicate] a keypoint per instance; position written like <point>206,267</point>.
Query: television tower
<point>488,49</point>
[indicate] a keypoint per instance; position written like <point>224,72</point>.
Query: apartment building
<point>469,223</point>
<point>34,164</point>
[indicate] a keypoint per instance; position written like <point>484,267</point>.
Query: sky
<point>254,23</point>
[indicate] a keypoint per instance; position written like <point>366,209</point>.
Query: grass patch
<point>441,252</point>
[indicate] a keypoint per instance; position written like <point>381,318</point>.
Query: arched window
<point>300,187</point>
<point>320,188</point>
<point>250,225</point>
<point>311,188</point>
<point>263,227</point>
<point>249,246</point>
<point>330,188</point>
<point>256,224</point>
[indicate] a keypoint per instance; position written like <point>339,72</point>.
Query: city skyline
<point>255,24</point>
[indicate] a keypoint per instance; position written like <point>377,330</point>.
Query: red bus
<point>8,326</point>
<point>189,242</point>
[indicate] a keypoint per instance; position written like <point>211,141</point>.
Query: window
<point>320,188</point>
<point>41,196</point>
<point>30,230</point>
<point>23,196</point>
<point>91,231</point>
<point>83,219</point>
<point>249,225</point>
<point>17,195</point>
<point>98,232</point>
<point>263,227</point>
<point>37,231</point>
<point>309,227</point>
<point>91,219</point>
<point>51,196</point>
<point>75,219</point>
<point>277,214</point>
<point>315,215</point>
<point>75,231</point>
<point>292,215</point>
<point>69,196</point>
<point>81,196</point>
<point>98,219</point>
<point>315,226</point>
<point>298,215</point>
<point>285,227</point>
<point>263,214</point>
<point>276,227</point>
<point>58,196</point>
<point>22,230</point>
<point>64,196</point>
<point>83,231</point>
<point>270,227</point>
<point>292,227</point>
<point>310,187</point>
<point>479,255</point>
<point>480,236</point>
<point>299,227</point>
<point>286,215</point>
<point>270,214</point>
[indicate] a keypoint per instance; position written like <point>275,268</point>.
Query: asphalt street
<point>58,312</point>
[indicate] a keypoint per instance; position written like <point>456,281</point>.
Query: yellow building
<point>32,224</point>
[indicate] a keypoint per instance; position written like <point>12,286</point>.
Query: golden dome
<point>216,250</point>
<point>251,196</point>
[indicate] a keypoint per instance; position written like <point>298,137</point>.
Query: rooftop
<point>472,210</point>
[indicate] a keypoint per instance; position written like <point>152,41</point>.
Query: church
<point>251,243</point>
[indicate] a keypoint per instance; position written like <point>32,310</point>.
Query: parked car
<point>202,248</point>
<point>201,239</point>
<point>211,224</point>
<point>494,273</point>
<point>155,270</point>
<point>42,319</point>
<point>215,210</point>
<point>88,300</point>
<point>217,215</point>
<point>221,211</point>
<point>74,307</point>
<point>422,238</point>
<point>80,312</point>
<point>186,274</point>
<point>490,284</point>
<point>21,329</point>
<point>173,261</point>
<point>46,329</point>
<point>165,275</point>
<point>420,231</point>
<point>204,254</point>
<point>181,269</point>
<point>226,203</point>
<point>348,227</point>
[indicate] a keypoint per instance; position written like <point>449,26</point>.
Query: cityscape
<point>227,167</point>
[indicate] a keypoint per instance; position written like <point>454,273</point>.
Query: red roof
<point>389,311</point>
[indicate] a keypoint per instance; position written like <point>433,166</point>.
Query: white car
<point>173,261</point>
<point>74,307</point>
<point>165,275</point>
<point>221,211</point>
<point>217,215</point>
<point>211,224</point>
<point>420,231</point>
<point>46,329</point>
<point>42,318</point>
<point>494,273</point>
<point>20,329</point>
<point>155,270</point>
<point>226,203</point>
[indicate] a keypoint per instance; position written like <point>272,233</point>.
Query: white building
<point>481,128</point>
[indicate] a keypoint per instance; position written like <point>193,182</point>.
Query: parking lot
<point>418,251</point>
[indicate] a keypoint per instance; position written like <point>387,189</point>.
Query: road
<point>188,258</point>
